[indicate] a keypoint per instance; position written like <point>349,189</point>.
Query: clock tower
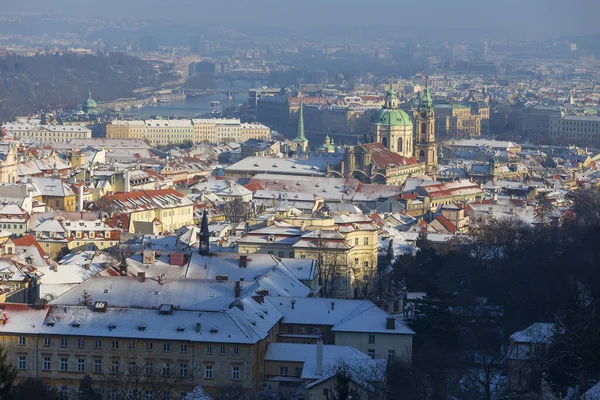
<point>425,146</point>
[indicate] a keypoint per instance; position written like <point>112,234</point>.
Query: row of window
<point>166,347</point>
<point>132,367</point>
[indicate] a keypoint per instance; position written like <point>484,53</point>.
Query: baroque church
<point>398,148</point>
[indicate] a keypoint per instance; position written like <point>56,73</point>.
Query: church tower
<point>300,141</point>
<point>204,245</point>
<point>425,146</point>
<point>392,127</point>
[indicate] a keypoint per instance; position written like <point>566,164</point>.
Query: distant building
<point>47,133</point>
<point>89,106</point>
<point>575,129</point>
<point>177,131</point>
<point>454,121</point>
<point>535,120</point>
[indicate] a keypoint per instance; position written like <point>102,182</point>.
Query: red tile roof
<point>29,241</point>
<point>254,186</point>
<point>384,157</point>
<point>446,223</point>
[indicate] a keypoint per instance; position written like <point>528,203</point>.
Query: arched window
<point>384,142</point>
<point>423,128</point>
<point>399,149</point>
<point>421,154</point>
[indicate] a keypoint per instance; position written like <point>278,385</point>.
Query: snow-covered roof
<point>198,393</point>
<point>539,332</point>
<point>593,393</point>
<point>345,315</point>
<point>130,292</point>
<point>299,352</point>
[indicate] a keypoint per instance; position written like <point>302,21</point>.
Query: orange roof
<point>446,223</point>
<point>29,241</point>
<point>384,157</point>
<point>254,186</point>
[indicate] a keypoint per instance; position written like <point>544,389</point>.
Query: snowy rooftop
<point>187,294</point>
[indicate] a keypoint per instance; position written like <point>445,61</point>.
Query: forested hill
<point>30,84</point>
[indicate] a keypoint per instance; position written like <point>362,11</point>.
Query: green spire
<point>300,136</point>
<point>426,103</point>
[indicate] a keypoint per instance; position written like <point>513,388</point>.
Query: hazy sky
<point>529,19</point>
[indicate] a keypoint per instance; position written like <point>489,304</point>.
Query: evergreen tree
<point>8,374</point>
<point>33,388</point>
<point>86,298</point>
<point>86,389</point>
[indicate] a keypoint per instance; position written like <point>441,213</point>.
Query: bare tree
<point>236,211</point>
<point>333,269</point>
<point>356,379</point>
<point>139,379</point>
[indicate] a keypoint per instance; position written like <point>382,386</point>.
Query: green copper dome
<point>90,103</point>
<point>89,106</point>
<point>394,117</point>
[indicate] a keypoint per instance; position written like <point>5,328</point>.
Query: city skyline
<point>459,20</point>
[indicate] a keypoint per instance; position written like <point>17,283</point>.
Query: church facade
<point>398,148</point>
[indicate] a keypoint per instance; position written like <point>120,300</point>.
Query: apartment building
<point>177,131</point>
<point>345,248</point>
<point>165,349</point>
<point>56,234</point>
<point>47,133</point>
<point>149,211</point>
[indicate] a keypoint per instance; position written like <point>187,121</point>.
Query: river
<point>190,108</point>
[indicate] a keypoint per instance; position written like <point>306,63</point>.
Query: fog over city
<point>460,19</point>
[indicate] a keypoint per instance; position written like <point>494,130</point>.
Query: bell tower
<point>425,146</point>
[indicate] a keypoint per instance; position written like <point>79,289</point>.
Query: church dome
<point>390,114</point>
<point>89,105</point>
<point>393,117</point>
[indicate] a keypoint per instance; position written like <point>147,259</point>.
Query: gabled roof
<point>449,226</point>
<point>539,332</point>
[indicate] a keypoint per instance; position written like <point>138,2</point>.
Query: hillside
<point>31,84</point>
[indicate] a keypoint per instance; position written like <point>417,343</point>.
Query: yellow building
<point>454,121</point>
<point>177,131</point>
<point>149,211</point>
<point>47,133</point>
<point>55,193</point>
<point>55,235</point>
<point>162,349</point>
<point>9,172</point>
<point>345,247</point>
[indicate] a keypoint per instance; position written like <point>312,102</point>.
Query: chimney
<point>127,181</point>
<point>293,304</point>
<point>243,261</point>
<point>238,289</point>
<point>141,276</point>
<point>80,198</point>
<point>511,211</point>
<point>390,323</point>
<point>198,327</point>
<point>491,210</point>
<point>319,369</point>
<point>332,305</point>
<point>160,279</point>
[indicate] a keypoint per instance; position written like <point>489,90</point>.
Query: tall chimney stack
<point>238,289</point>
<point>80,198</point>
<point>319,369</point>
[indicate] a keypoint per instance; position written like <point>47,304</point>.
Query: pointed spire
<point>300,137</point>
<point>204,235</point>
<point>426,102</point>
